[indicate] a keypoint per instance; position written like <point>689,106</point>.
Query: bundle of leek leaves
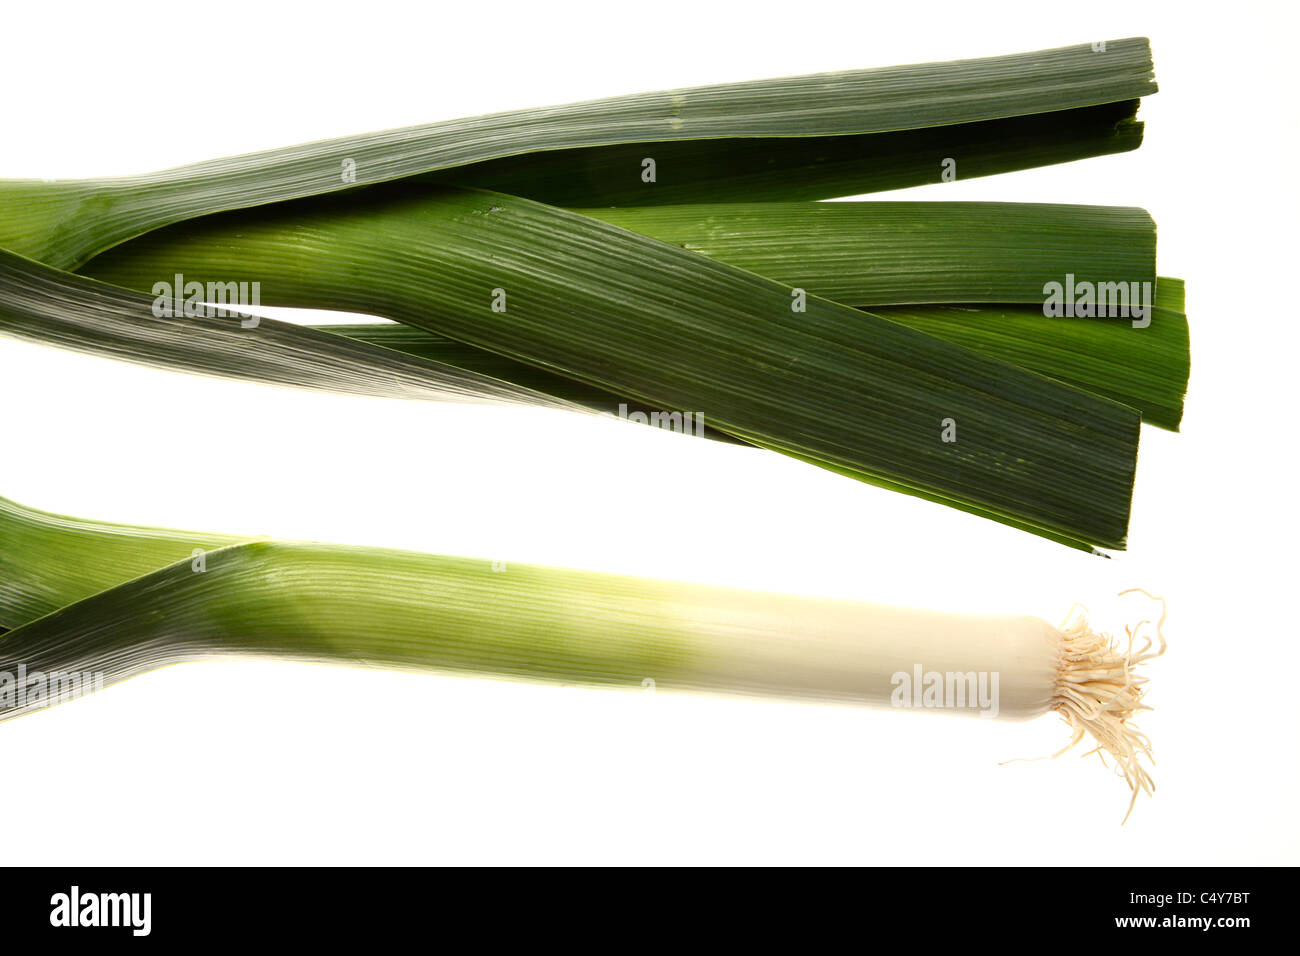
<point>662,252</point>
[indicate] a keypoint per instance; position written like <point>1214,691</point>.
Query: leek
<point>331,603</point>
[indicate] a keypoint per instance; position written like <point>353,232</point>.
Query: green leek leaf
<point>803,167</point>
<point>64,223</point>
<point>1146,369</point>
<point>51,307</point>
<point>634,316</point>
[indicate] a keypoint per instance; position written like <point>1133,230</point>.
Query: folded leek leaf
<point>857,253</point>
<point>854,252</point>
<point>634,316</point>
<point>1145,368</point>
<point>65,223</point>
<point>890,253</point>
<point>438,348</point>
<point>49,560</point>
<point>803,167</point>
<point>52,307</point>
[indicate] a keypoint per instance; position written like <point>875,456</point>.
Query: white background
<point>260,762</point>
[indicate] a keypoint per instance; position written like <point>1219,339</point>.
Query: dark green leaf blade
<point>1145,367</point>
<point>891,253</point>
<point>65,223</point>
<point>800,168</point>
